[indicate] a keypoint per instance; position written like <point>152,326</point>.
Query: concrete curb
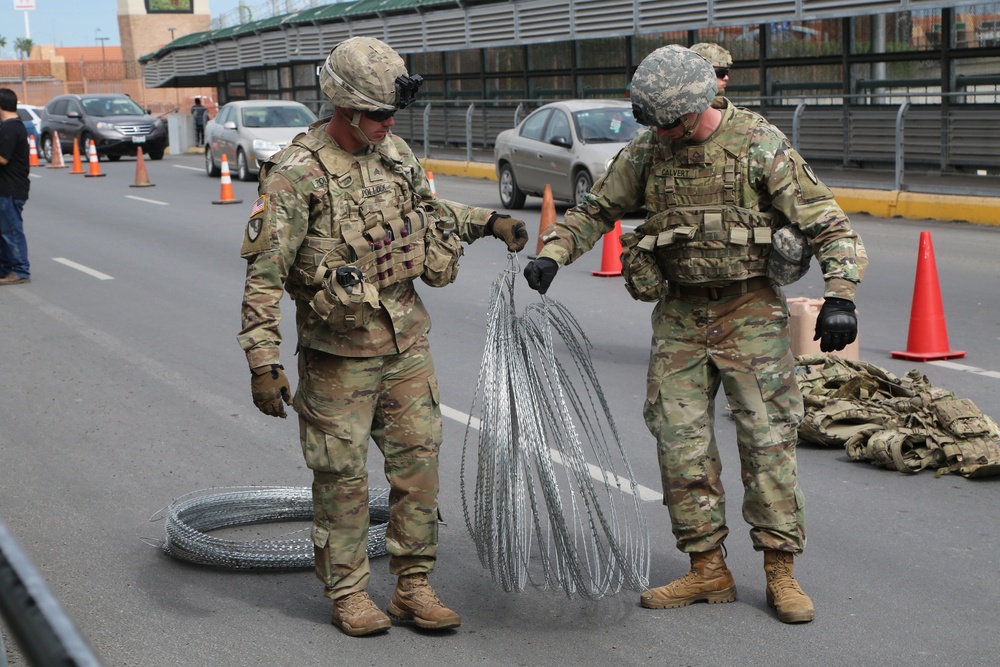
<point>880,203</point>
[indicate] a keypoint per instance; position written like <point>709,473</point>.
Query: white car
<point>567,145</point>
<point>29,116</point>
<point>251,131</point>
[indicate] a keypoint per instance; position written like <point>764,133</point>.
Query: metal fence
<point>896,131</point>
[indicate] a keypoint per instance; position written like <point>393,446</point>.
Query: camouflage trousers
<point>342,402</point>
<point>741,342</point>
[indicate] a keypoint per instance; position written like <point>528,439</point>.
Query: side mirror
<point>149,112</point>
<point>230,125</point>
<point>564,142</point>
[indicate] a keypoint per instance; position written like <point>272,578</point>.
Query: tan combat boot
<point>783,592</point>
<point>414,600</point>
<point>357,615</point>
<point>709,580</point>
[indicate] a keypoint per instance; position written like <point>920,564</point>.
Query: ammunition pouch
<point>345,307</point>
<point>442,250</point>
<point>643,278</point>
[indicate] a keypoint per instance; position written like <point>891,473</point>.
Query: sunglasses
<point>721,72</point>
<point>381,115</point>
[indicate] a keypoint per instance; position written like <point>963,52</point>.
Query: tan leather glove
<point>510,230</point>
<point>269,386</point>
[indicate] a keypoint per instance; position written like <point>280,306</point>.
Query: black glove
<point>510,230</point>
<point>268,386</point>
<point>540,273</point>
<point>836,324</point>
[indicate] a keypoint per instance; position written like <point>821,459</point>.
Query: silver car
<point>250,131</point>
<point>567,145</point>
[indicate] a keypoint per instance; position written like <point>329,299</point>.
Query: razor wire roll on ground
<point>552,481</point>
<point>190,517</point>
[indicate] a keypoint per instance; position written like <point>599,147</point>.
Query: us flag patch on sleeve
<point>259,205</point>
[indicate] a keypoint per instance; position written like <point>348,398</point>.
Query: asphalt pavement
<point>125,388</point>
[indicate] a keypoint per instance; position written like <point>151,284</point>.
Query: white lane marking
<point>34,175</point>
<point>968,369</point>
<point>148,201</point>
<point>645,493</point>
<point>184,166</point>
<point>85,269</point>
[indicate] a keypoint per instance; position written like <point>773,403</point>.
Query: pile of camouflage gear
<point>904,424</point>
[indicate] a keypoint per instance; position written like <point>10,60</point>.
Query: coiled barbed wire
<point>191,516</point>
<point>588,538</point>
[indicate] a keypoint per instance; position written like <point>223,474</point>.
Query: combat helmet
<point>365,74</point>
<point>714,53</point>
<point>670,82</point>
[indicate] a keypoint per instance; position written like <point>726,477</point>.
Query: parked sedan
<point>567,145</point>
<point>250,131</point>
<point>29,116</point>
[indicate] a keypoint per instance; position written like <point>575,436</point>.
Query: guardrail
<point>881,130</point>
<point>44,633</point>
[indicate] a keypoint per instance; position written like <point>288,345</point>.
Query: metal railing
<point>879,131</point>
<point>43,632</point>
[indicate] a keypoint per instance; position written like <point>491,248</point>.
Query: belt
<point>720,291</point>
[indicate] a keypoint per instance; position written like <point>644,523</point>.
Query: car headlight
<point>101,125</point>
<point>262,145</point>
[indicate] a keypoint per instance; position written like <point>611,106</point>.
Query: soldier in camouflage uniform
<point>721,61</point>
<point>717,182</point>
<point>344,223</point>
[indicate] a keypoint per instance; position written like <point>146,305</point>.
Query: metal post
<point>36,620</point>
<point>427,130</point>
<point>468,132</point>
<point>796,124</point>
<point>900,117</point>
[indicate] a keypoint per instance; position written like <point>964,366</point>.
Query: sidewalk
<point>962,197</point>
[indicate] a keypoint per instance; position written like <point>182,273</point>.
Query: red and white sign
<point>24,4</point>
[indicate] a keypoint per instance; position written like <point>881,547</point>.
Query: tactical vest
<point>904,424</point>
<point>377,236</point>
<point>703,223</point>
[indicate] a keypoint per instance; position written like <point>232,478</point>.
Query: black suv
<point>114,121</point>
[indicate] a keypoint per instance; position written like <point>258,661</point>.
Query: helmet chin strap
<point>356,126</point>
<point>689,130</point>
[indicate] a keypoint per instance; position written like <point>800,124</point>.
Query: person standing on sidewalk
<point>14,186</point>
<point>717,184</point>
<point>200,113</point>
<point>345,223</point>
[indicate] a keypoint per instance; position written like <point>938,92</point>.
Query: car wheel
<point>581,186</point>
<point>242,168</point>
<point>210,168</point>
<point>84,145</point>
<point>510,196</point>
<point>156,154</point>
<point>112,158</point>
<point>47,151</point>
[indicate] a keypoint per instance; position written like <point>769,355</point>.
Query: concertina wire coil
<point>190,517</point>
<point>585,537</point>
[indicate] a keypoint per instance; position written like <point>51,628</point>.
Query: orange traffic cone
<point>548,217</point>
<point>928,337</point>
<point>430,179</point>
<point>57,159</point>
<point>77,164</point>
<point>611,255</point>
<point>141,177</point>
<point>95,166</point>
<point>226,196</point>
<point>32,151</point>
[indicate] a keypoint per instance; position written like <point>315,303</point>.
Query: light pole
<point>104,62</point>
<point>177,92</point>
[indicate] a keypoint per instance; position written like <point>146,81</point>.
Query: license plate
<point>138,140</point>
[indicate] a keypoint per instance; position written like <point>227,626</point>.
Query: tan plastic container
<point>803,312</point>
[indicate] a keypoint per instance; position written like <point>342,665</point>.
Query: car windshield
<point>290,116</point>
<point>604,126</point>
<point>111,106</point>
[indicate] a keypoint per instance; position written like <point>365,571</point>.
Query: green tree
<point>23,46</point>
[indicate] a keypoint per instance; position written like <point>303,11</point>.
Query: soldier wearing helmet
<point>345,223</point>
<point>721,61</point>
<point>718,185</point>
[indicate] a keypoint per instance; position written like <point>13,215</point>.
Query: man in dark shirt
<point>14,186</point>
<point>200,113</point>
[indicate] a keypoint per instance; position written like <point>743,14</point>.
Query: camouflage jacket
<point>776,172</point>
<point>308,195</point>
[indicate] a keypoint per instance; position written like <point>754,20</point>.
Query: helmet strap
<point>355,119</point>
<point>689,130</point>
